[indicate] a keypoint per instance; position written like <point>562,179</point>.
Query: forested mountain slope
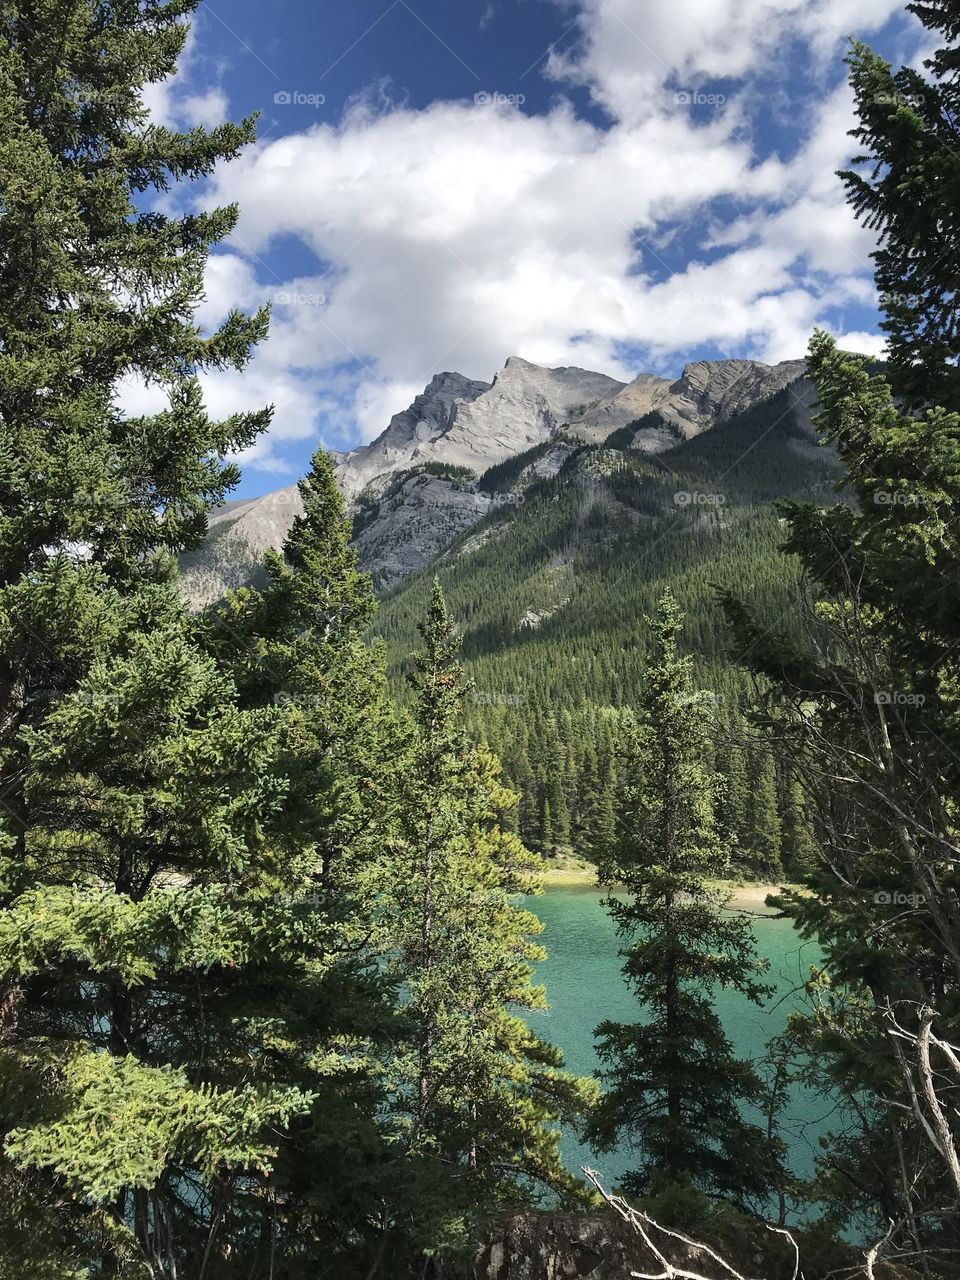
<point>553,556</point>
<point>553,585</point>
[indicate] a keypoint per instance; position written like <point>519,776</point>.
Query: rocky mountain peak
<point>467,423</point>
<point>712,388</point>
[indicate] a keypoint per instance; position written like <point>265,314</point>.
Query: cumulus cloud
<point>194,96</point>
<point>454,236</point>
<point>632,51</point>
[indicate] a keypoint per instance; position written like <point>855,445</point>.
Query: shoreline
<point>584,876</point>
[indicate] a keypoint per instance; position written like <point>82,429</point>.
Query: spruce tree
<point>903,186</point>
<point>674,1088</point>
<point>147,826</point>
<point>868,706</point>
<point>799,846</point>
<point>765,830</point>
<point>297,644</point>
<point>478,1094</point>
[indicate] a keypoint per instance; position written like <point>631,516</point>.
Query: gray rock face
<point>523,408</point>
<point>476,424</point>
<point>711,390</point>
<point>240,532</point>
<point>427,421</point>
<point>463,422</point>
<point>705,393</point>
<point>645,392</point>
<point>571,1246</point>
<point>415,524</point>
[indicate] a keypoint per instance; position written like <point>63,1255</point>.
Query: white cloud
<point>632,50</point>
<point>193,97</point>
<point>454,236</point>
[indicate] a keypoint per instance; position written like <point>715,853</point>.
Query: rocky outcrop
<point>476,424</point>
<point>595,422</point>
<point>415,522</point>
<point>573,1246</point>
<point>707,392</point>
<point>239,533</point>
<point>410,434</point>
<point>710,391</point>
<point>458,421</point>
<point>523,408</point>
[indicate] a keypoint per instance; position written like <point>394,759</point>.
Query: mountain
<point>418,486</point>
<point>706,392</point>
<point>555,505</point>
<point>553,584</point>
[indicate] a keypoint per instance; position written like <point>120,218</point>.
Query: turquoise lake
<point>584,986</point>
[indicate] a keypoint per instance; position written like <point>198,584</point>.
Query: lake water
<point>584,986</point>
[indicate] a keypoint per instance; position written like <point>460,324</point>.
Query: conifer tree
<point>147,822</point>
<point>799,846</point>
<point>901,186</point>
<point>298,644</point>
<point>869,698</point>
<point>674,1088</point>
<point>765,832</point>
<point>478,1093</point>
<point>734,798</point>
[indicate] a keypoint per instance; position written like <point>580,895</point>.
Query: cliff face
<point>562,1247</point>
<point>457,422</point>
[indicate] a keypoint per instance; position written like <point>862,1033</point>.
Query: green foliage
<point>120,1123</point>
<point>551,603</point>
<point>865,700</point>
<point>624,437</point>
<point>478,1094</point>
<point>445,471</point>
<point>903,186</point>
<point>674,1088</point>
<point>502,476</point>
<point>187,1014</point>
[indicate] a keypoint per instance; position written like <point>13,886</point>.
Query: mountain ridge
<point>414,487</point>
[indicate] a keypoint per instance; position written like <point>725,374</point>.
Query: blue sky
<point>620,184</point>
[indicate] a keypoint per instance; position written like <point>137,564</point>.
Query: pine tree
<point>765,831</point>
<point>673,1085</point>
<point>300,642</point>
<point>734,799</point>
<point>903,187</point>
<point>478,1093</point>
<point>799,846</point>
<point>298,645</point>
<point>145,828</point>
<point>868,706</point>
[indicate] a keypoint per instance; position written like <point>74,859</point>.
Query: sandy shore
<point>584,876</point>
